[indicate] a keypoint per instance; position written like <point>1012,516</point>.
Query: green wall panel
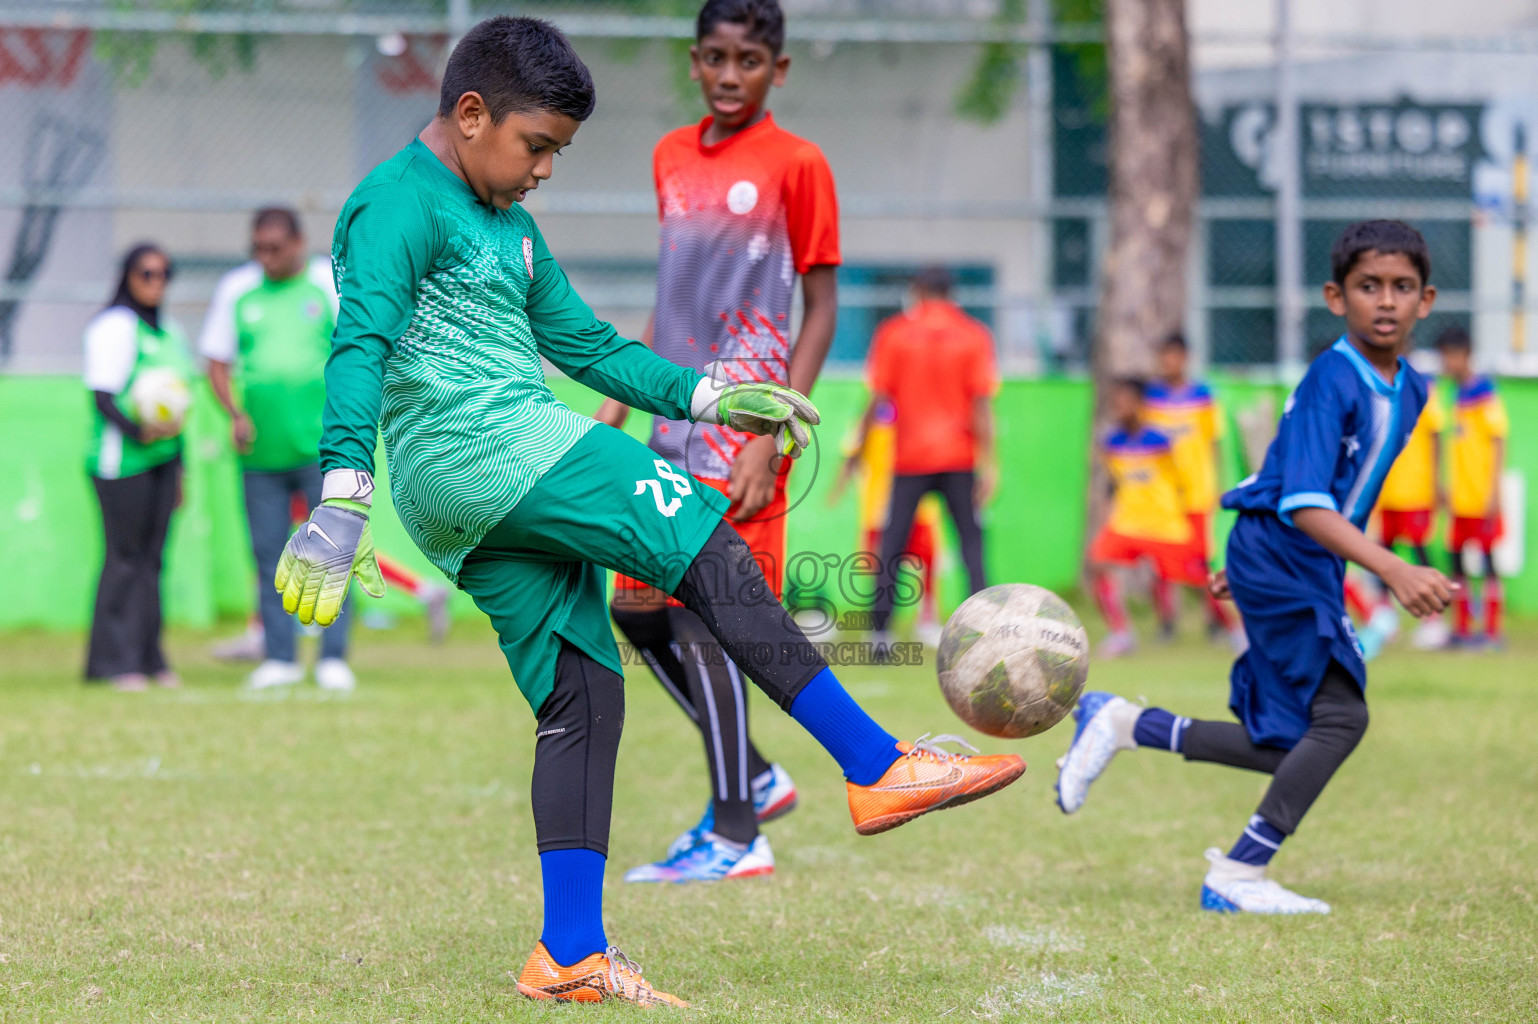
<point>50,540</point>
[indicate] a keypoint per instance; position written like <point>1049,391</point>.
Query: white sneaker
<point>249,646</point>
<point>1118,644</point>
<point>1430,635</point>
<point>929,633</point>
<point>435,600</point>
<point>275,673</point>
<point>1232,887</point>
<point>1105,725</point>
<point>1238,641</point>
<point>334,674</point>
<point>1385,619</point>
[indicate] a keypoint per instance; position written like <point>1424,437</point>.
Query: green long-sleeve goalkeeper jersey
<point>447,304</point>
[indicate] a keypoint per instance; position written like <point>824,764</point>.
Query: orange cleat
<point>609,975</point>
<point>927,778</point>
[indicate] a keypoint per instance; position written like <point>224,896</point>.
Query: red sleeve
<point>657,175</point>
<point>983,373</point>
<point>879,371</point>
<point>811,211</point>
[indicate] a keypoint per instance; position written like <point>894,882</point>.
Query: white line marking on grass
<point>1048,940</point>
<point>1046,990</point>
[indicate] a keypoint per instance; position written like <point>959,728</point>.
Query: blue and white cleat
<point>1105,724</point>
<point>710,860</point>
<point>1233,887</point>
<point>774,796</point>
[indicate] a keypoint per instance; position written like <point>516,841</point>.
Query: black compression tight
<point>1338,719</point>
<point>580,722</point>
<point>726,589</point>
<point>576,744</point>
<point>712,692</point>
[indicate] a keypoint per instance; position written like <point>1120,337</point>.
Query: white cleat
<point>1118,644</point>
<point>1105,724</point>
<point>1233,887</point>
<point>435,600</point>
<point>1385,619</point>
<point>249,646</point>
<point>334,674</point>
<point>275,673</point>
<point>1430,635</point>
<point>929,633</point>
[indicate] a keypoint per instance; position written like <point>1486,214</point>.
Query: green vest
<point>283,338</point>
<point>111,455</point>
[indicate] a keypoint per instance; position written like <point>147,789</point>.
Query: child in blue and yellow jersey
<point>1477,457</point>
<point>1185,411</point>
<point>1148,520</point>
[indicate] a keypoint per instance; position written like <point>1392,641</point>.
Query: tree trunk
<point>1153,171</point>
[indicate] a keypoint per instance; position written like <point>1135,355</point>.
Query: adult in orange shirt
<point>935,366</point>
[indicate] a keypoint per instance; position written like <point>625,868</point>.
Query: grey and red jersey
<point>741,219</point>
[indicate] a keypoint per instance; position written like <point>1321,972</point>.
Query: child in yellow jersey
<point>1477,457</point>
<point>1148,519</point>
<point>1184,410</point>
<point>1406,510</point>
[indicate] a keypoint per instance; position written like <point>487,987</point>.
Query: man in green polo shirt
<point>267,337</point>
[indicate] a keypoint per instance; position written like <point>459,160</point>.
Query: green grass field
<point>205,855</point>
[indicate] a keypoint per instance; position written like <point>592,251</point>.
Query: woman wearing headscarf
<point>137,366</point>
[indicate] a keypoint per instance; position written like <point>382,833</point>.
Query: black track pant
<point>125,626</point>
<point>907,492</point>
<point>713,692</point>
<point>1338,719</point>
<point>580,722</point>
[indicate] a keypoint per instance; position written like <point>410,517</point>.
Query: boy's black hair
<point>281,216</point>
<point>763,20</point>
<point>518,64</point>
<point>1383,236</point>
<point>935,280</point>
<point>1454,339</point>
<point>1175,339</point>
<point>1137,384</point>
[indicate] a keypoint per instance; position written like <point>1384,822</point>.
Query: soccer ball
<point>160,396</point>
<point>1013,660</point>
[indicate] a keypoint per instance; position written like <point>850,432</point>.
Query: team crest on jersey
<point>312,310</point>
<point>528,256</point>
<point>742,197</point>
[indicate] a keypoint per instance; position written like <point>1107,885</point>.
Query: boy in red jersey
<point>746,208</point>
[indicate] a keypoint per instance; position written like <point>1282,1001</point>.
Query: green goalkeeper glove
<point>758,407</point>
<point>323,556</point>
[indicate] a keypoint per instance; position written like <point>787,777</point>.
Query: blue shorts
<point>1291,593</point>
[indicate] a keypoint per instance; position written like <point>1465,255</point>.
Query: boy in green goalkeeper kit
<point>449,297</point>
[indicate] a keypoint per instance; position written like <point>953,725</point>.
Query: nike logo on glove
<point>313,530</point>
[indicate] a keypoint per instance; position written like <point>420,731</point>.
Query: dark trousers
<point>1337,721</point>
<point>125,626</point>
<point>269,513</point>
<point>907,492</point>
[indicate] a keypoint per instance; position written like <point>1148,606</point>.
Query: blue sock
<point>862,748</point>
<point>1158,728</point>
<point>573,904</point>
<point>1258,843</point>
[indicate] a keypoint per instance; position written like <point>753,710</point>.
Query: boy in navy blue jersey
<point>1299,691</point>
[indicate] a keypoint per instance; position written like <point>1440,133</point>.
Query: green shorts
<point>609,503</point>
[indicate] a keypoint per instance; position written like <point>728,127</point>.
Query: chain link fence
<point>963,132</point>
